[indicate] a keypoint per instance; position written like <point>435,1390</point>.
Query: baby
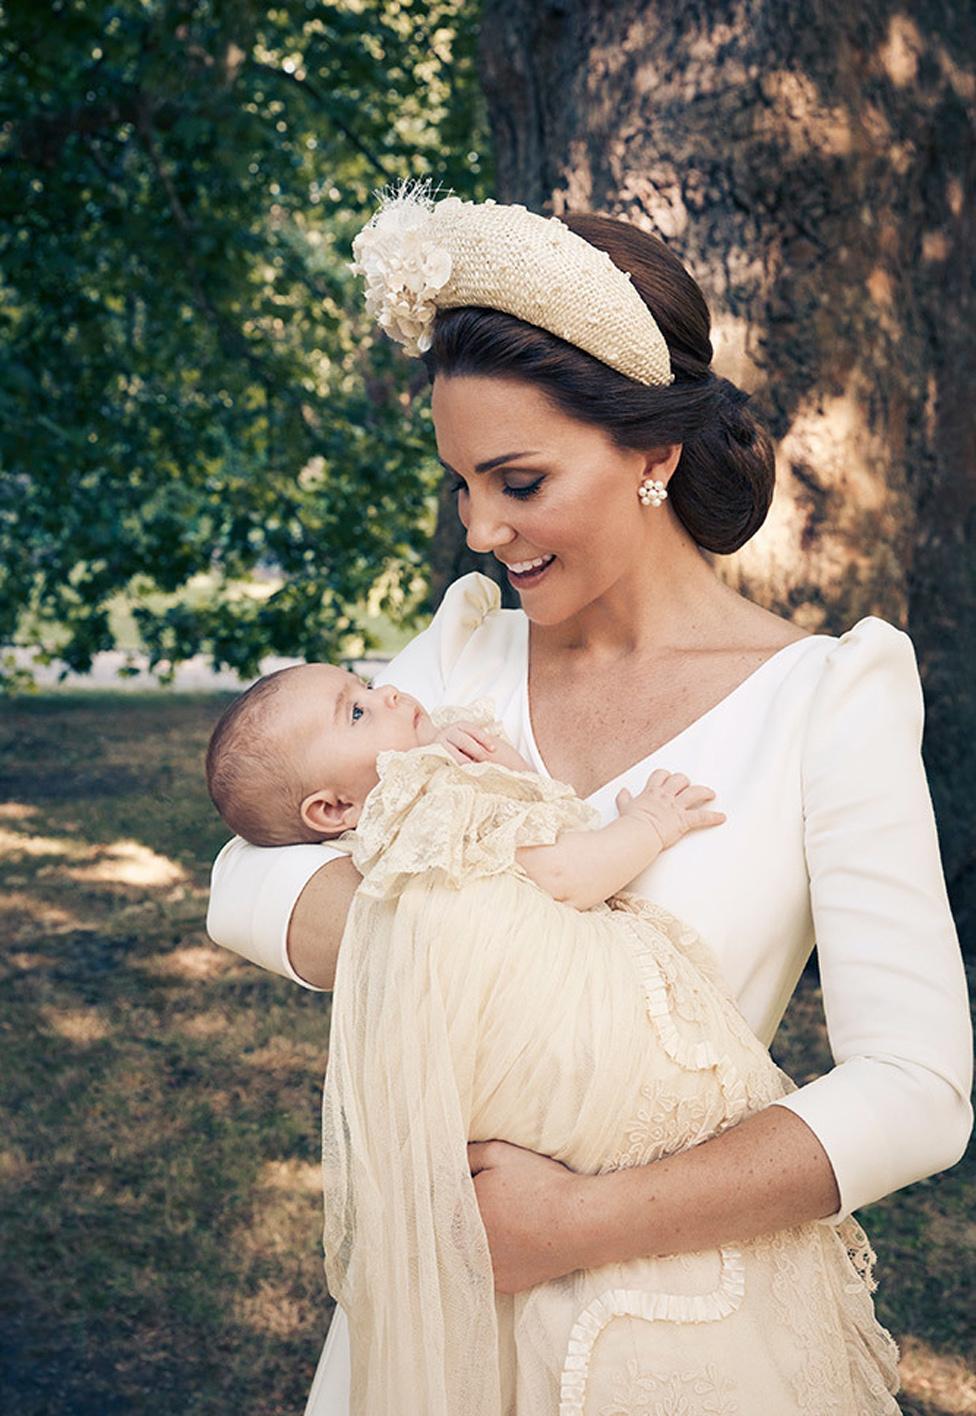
<point>294,759</point>
<point>496,980</point>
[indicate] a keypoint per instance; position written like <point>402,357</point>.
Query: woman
<point>568,438</point>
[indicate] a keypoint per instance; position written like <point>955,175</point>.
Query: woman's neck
<point>645,613</point>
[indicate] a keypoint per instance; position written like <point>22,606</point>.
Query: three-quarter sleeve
<point>895,1108</point>
<point>253,889</point>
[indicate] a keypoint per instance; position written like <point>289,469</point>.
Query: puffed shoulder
<point>869,685</point>
<point>463,609</point>
<point>429,812</point>
<point>875,647</point>
<point>863,736</point>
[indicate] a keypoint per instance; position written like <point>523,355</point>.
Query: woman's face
<point>568,493</point>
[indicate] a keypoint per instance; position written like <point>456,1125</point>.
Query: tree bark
<point>813,167</point>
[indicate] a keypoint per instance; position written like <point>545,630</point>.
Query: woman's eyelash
<point>520,492</point>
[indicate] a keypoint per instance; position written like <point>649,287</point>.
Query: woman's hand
<point>534,1210</point>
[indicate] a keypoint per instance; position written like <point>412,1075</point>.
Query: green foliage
<point>188,380</point>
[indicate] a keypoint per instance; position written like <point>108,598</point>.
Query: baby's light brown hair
<point>254,781</point>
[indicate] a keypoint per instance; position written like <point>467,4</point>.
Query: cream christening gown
<point>469,1004</point>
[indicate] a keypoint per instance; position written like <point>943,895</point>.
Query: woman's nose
<point>485,530</point>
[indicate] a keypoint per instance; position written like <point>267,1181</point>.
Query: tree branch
<point>309,90</point>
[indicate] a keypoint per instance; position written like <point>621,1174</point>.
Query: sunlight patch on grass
<point>12,844</point>
<point>35,913</point>
<point>129,863</point>
<point>192,961</point>
<point>24,960</point>
<point>82,1025</point>
<point>220,1102</point>
<point>295,1176</point>
<point>286,1054</point>
<point>15,1168</point>
<point>282,1224</point>
<point>204,1025</point>
<point>272,1309</point>
<point>940,1380</point>
<point>16,811</point>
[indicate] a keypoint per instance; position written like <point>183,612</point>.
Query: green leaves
<point>188,382</point>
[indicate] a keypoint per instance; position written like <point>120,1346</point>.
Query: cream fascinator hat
<point>420,255</point>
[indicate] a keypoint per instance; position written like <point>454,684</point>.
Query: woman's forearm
<point>769,1172</point>
<point>319,920</point>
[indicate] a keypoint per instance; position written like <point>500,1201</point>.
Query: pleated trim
<point>653,1307</point>
<point>694,1056</point>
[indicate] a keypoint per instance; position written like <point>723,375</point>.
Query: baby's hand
<point>671,804</point>
<point>469,742</point>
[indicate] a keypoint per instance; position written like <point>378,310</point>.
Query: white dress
<point>830,839</point>
<point>468,1004</point>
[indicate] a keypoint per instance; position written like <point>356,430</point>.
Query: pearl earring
<point>652,492</point>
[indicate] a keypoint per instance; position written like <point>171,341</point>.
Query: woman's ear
<point>662,461</point>
<point>327,815</point>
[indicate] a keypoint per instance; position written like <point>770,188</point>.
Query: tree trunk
<point>811,167</point>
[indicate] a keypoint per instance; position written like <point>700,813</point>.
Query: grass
<point>159,1181</point>
<point>160,1217</point>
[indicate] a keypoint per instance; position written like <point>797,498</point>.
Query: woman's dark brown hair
<point>722,487</point>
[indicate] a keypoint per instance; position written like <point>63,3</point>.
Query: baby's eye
<point>355,709</point>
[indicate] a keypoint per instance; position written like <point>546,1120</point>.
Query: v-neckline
<point>695,723</point>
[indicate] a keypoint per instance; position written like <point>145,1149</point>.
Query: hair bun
<point>731,409</point>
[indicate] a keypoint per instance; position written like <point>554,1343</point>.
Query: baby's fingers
<point>474,748</point>
<point>693,795</point>
<point>479,733</point>
<point>455,752</point>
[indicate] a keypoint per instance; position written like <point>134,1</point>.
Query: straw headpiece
<point>419,255</point>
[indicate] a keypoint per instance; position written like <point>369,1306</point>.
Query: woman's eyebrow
<point>491,463</point>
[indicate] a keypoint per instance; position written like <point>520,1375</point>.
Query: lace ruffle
<point>653,1307</point>
<point>481,711</point>
<point>428,812</point>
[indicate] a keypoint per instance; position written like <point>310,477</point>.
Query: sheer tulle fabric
<point>470,1005</point>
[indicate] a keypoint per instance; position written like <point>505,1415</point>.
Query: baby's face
<point>339,725</point>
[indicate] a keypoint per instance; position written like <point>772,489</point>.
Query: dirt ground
<point>159,1178</point>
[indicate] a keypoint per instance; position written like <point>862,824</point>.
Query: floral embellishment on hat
<point>404,265</point>
<point>420,254</point>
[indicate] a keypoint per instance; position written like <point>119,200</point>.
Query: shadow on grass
<point>160,1203</point>
<point>114,766</point>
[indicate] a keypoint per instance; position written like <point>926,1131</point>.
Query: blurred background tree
<point>189,385</point>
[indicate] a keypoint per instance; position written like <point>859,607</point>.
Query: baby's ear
<point>324,814</point>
